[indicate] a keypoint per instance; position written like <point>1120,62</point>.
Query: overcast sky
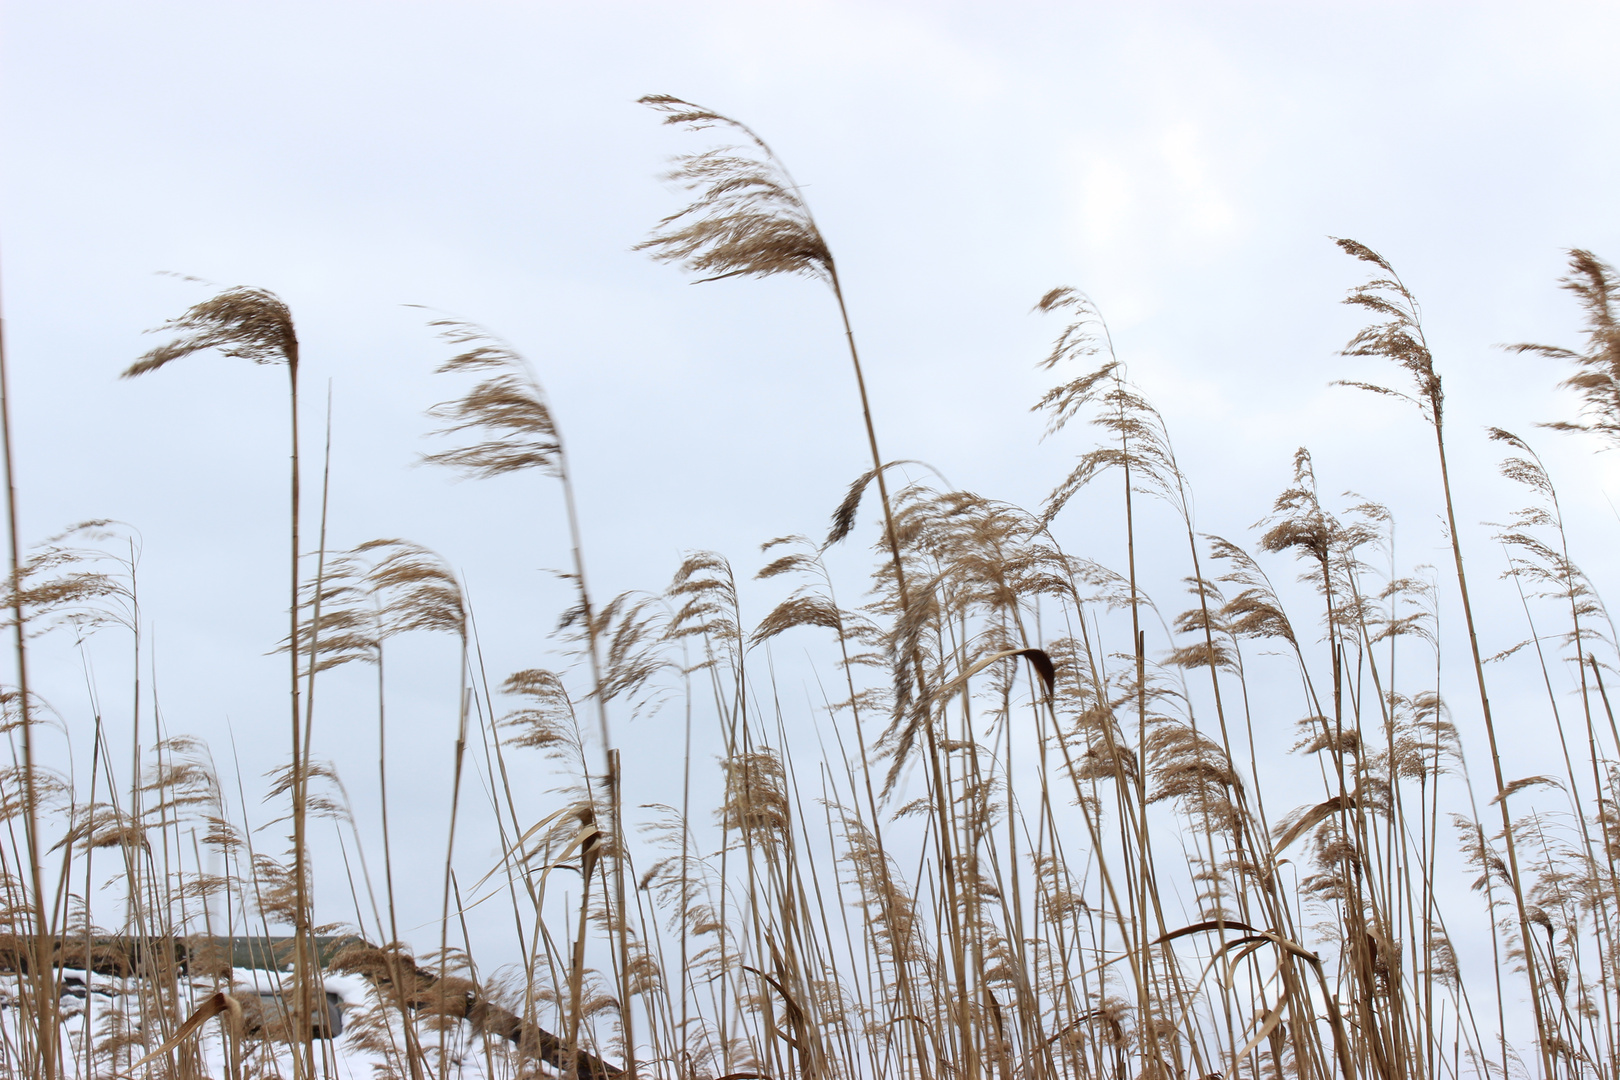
<point>1183,164</point>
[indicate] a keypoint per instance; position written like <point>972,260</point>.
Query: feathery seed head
<point>1597,369</point>
<point>1399,334</point>
<point>508,408</point>
<point>253,324</point>
<point>748,218</point>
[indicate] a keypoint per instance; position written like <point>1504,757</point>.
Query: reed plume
<point>1596,381</point>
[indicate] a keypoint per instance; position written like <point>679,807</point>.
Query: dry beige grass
<point>1029,837</point>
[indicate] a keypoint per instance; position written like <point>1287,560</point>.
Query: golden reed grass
<point>1026,836</point>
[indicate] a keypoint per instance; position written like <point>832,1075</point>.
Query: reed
<point>41,995</point>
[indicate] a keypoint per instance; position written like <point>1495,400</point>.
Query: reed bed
<point>1042,826</point>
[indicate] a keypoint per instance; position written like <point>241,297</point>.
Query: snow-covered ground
<point>108,1025</point>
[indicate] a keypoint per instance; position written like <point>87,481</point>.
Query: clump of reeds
<point>1032,831</point>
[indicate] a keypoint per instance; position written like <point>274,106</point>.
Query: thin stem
<point>303,1058</point>
<point>43,974</point>
<point>1496,756</point>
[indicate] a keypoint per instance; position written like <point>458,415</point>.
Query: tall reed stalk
<point>750,219</point>
<point>254,324</point>
<point>1399,338</point>
<point>509,409</point>
<point>41,973</point>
